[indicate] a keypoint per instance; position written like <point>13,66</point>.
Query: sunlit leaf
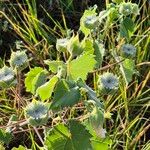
<point>20,148</point>
<point>53,65</point>
<point>80,67</point>
<point>99,144</point>
<point>38,80</point>
<point>45,91</point>
<point>30,76</point>
<point>87,45</point>
<point>99,53</point>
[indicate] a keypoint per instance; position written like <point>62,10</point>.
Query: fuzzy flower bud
<point>125,8</point>
<point>37,113</point>
<point>108,83</point>
<point>61,44</point>
<point>128,51</point>
<point>18,60</point>
<point>19,45</point>
<point>7,77</point>
<point>91,22</point>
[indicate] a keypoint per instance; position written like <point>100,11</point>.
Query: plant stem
<point>68,66</point>
<point>108,66</point>
<point>107,2</point>
<point>38,134</point>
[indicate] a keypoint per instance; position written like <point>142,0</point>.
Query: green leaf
<point>99,53</point>
<point>65,96</point>
<point>89,128</point>
<point>113,14</point>
<point>5,137</point>
<point>73,137</point>
<point>20,148</point>
<point>99,144</point>
<point>45,91</point>
<point>127,28</point>
<point>30,76</point>
<point>117,1</point>
<point>56,138</point>
<point>80,136</point>
<point>90,12</point>
<point>91,94</point>
<point>128,69</point>
<point>87,45</point>
<point>38,80</point>
<point>80,67</point>
<point>60,90</point>
<point>53,65</point>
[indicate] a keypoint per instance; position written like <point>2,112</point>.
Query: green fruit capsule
<point>7,77</point>
<point>37,113</point>
<point>91,22</point>
<point>18,60</point>
<point>61,44</point>
<point>74,46</point>
<point>108,83</point>
<point>125,9</point>
<point>128,51</point>
<point>113,14</point>
<point>96,118</point>
<point>38,121</point>
<point>135,9</point>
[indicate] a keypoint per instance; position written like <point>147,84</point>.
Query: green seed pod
<point>18,60</point>
<point>91,22</point>
<point>113,14</point>
<point>37,113</point>
<point>61,44</point>
<point>135,9</point>
<point>125,9</point>
<point>7,77</point>
<point>74,46</point>
<point>102,15</point>
<point>19,45</point>
<point>108,83</point>
<point>38,121</point>
<point>128,51</point>
<point>96,119</point>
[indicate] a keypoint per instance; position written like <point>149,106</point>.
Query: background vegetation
<point>34,26</point>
